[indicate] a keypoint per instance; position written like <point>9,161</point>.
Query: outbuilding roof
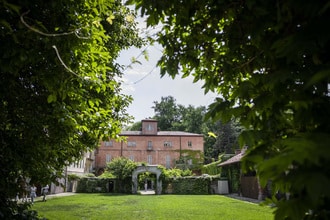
<point>235,159</point>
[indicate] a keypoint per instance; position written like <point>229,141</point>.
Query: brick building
<point>151,146</point>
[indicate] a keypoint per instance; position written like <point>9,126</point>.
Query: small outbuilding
<point>245,184</point>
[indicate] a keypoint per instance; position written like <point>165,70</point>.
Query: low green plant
<point>89,175</point>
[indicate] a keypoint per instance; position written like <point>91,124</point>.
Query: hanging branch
<point>75,32</point>
<point>54,35</point>
<point>62,62</point>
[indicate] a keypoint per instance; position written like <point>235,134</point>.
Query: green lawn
<point>111,206</point>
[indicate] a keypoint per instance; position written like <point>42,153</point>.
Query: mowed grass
<point>113,206</point>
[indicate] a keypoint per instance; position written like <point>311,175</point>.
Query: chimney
<point>149,127</point>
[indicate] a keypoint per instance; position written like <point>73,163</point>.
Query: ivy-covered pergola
<point>147,168</point>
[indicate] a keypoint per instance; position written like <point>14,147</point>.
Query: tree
<point>191,119</point>
<point>269,62</point>
<point>227,137</point>
<point>172,116</point>
<point>59,86</point>
<point>166,112</point>
<point>122,168</point>
<point>137,126</point>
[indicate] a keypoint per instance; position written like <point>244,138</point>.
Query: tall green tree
<point>59,86</point>
<point>227,137</point>
<point>137,126</point>
<point>166,112</point>
<point>172,116</point>
<point>269,62</point>
<point>191,119</point>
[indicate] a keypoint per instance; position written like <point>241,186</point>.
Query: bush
<point>90,175</point>
<point>73,177</point>
<point>108,175</point>
<point>93,185</point>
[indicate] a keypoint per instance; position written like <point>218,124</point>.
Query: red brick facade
<point>149,145</point>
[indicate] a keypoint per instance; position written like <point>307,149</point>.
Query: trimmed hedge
<point>101,185</point>
<point>192,185</point>
<point>93,185</point>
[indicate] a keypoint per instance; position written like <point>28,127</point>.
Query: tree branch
<point>75,32</point>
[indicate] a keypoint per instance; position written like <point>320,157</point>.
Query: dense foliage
<point>93,185</point>
<point>59,86</point>
<point>167,112</point>
<point>174,173</point>
<point>226,137</point>
<point>269,62</point>
<point>212,168</point>
<point>122,168</point>
<point>191,186</point>
<point>178,181</point>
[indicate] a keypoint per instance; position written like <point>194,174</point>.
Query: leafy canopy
<point>269,62</point>
<point>59,85</point>
<point>121,167</point>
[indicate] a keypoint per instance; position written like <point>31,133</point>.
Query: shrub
<point>73,177</point>
<point>108,175</point>
<point>193,185</point>
<point>92,185</point>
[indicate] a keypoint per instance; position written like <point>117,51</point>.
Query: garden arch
<point>150,169</point>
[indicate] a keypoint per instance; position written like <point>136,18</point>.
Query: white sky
<point>144,83</point>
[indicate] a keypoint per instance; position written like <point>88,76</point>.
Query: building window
<point>168,161</point>
<point>167,143</point>
<point>149,159</point>
<point>107,158</point>
<point>131,157</point>
<point>75,164</point>
<point>131,144</point>
<point>149,147</point>
<point>189,143</point>
<point>108,143</point>
<point>149,127</point>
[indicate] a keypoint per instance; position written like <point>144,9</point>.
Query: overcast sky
<point>144,83</point>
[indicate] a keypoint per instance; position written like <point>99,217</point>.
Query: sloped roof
<point>161,133</point>
<point>235,159</point>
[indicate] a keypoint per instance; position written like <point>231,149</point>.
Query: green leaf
<point>318,77</point>
<point>91,103</point>
<point>51,98</point>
